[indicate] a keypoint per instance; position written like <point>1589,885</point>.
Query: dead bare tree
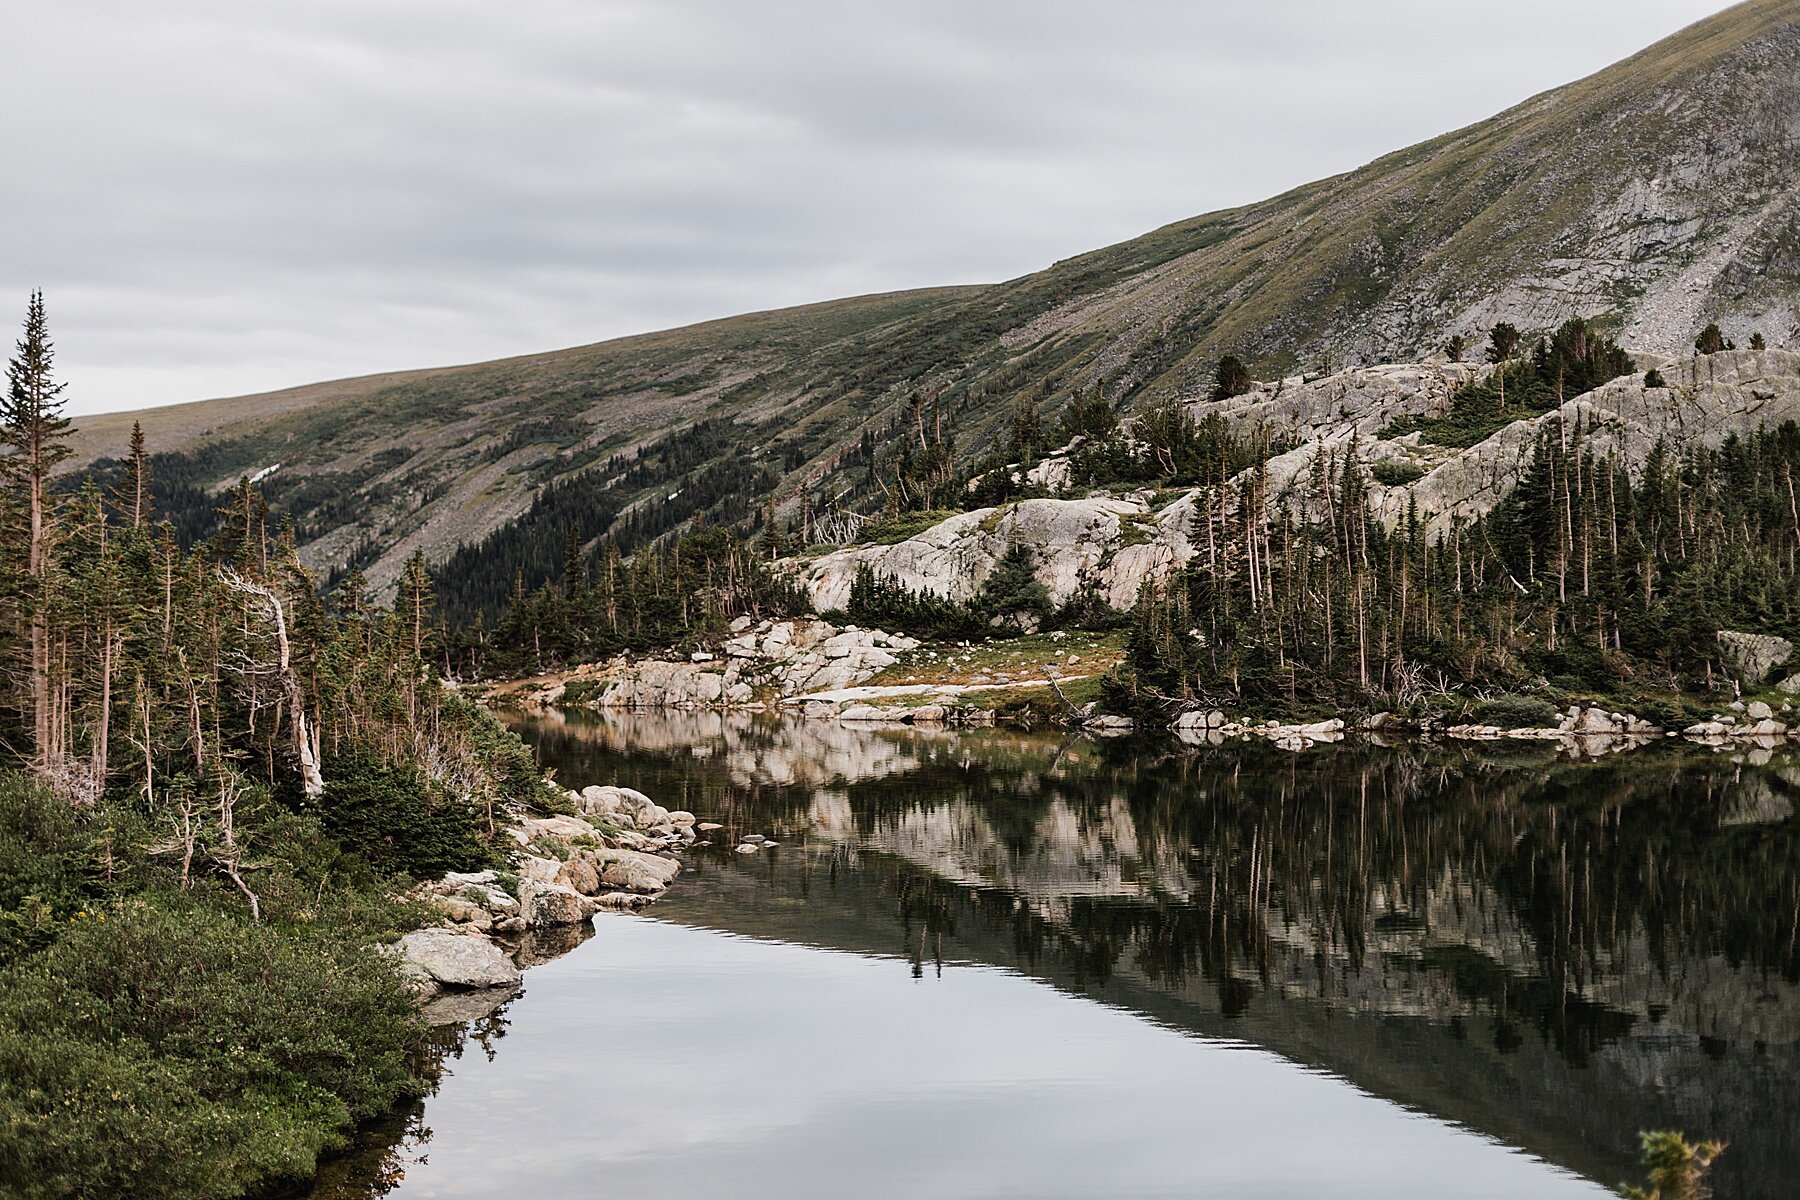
<point>265,601</point>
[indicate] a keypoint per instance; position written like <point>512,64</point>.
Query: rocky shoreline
<point>618,854</point>
<point>808,668</point>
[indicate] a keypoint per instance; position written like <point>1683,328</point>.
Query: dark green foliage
<point>1758,342</point>
<point>1011,596</point>
<point>1503,342</point>
<point>1572,361</point>
<point>1025,432</point>
<point>1711,340</point>
<point>702,471</point>
<point>1231,378</point>
<point>1653,378</point>
<point>182,1054</point>
<point>1456,347</point>
<point>684,593</point>
<point>394,817</point>
<point>49,865</point>
<point>1516,712</point>
<point>1171,448</point>
<point>173,1020</point>
<point>1394,473</point>
<point>1089,415</point>
<point>889,604</point>
<point>1587,578</point>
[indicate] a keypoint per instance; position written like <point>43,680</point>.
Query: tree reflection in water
<point>1557,953</point>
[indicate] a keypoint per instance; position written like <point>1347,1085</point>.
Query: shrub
<point>1394,473</point>
<point>1516,712</point>
<point>44,865</point>
<point>396,819</point>
<point>184,1054</point>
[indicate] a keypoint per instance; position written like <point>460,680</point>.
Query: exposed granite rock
<point>1751,656</point>
<point>457,959</point>
<point>553,904</point>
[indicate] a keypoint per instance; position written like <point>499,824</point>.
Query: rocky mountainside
<point>1659,194</point>
<point>1114,545</point>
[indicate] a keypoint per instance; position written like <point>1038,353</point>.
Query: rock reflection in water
<point>1557,953</point>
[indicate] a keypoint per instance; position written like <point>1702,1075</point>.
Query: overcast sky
<point>233,196</point>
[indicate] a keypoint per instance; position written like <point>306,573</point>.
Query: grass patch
<point>886,531</point>
<point>1395,473</point>
<point>1007,661</point>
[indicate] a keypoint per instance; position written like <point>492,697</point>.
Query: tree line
<point>1588,577</point>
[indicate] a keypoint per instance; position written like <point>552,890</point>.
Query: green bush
<point>1393,473</point>
<point>1516,712</point>
<point>396,819</point>
<point>160,1052</point>
<point>45,869</point>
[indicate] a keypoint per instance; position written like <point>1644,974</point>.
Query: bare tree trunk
<point>103,727</point>
<point>305,744</point>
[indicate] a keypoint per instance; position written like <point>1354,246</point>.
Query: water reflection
<point>1555,953</point>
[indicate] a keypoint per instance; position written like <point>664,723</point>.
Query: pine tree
<point>1711,339</point>
<point>1231,379</point>
<point>33,428</point>
<point>132,495</point>
<point>412,601</point>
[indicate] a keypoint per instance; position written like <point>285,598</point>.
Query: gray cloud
<point>222,197</point>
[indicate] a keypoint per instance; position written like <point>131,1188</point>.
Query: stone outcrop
<point>1750,657</point>
<point>619,855</point>
<point>1071,539</point>
<point>758,664</point>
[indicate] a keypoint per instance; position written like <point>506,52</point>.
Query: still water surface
<point>997,965</point>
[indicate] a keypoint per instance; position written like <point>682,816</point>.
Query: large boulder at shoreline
<point>454,959</point>
<point>634,871</point>
<point>547,904</point>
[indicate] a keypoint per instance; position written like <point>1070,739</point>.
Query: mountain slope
<point>1655,195</point>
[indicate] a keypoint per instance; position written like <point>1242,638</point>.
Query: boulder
<point>1594,721</point>
<point>462,911</point>
<point>544,904</point>
<point>1109,724</point>
<point>457,959</point>
<point>542,870</point>
<point>634,871</point>
<point>580,873</point>
<point>564,829</point>
<point>1751,656</point>
<point>1756,710</point>
<point>869,713</point>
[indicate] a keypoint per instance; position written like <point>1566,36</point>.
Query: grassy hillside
<point>1655,195</point>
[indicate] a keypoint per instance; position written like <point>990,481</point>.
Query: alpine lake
<point>1000,964</point>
